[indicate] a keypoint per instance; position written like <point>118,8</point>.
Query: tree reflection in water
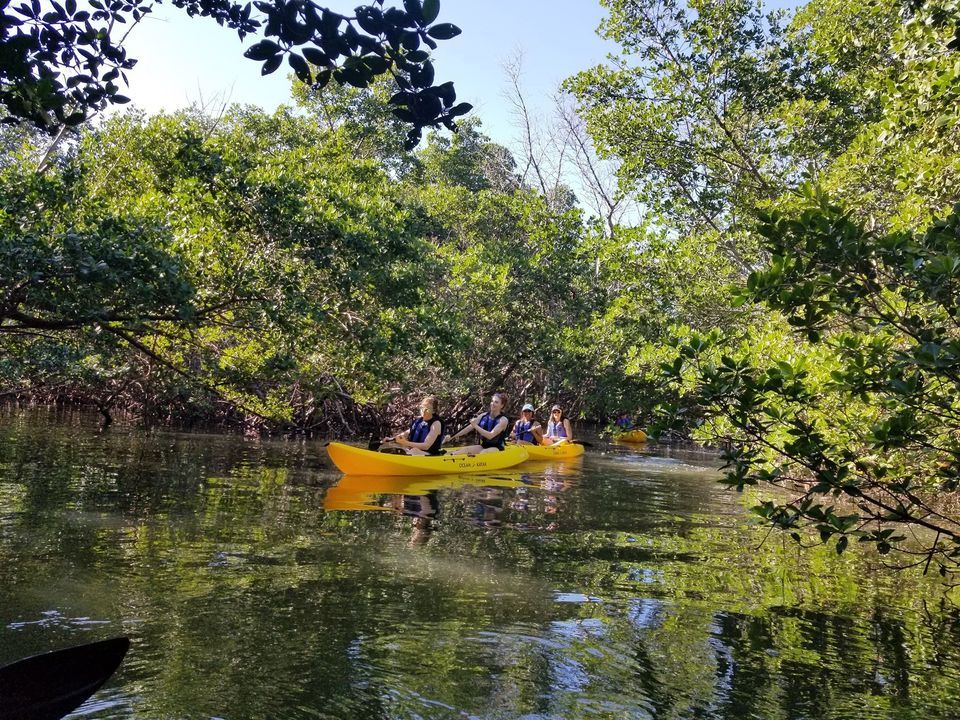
<point>625,585</point>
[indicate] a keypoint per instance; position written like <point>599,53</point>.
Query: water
<point>625,585</point>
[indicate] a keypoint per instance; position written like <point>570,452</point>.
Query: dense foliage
<point>293,270</point>
<point>835,374</point>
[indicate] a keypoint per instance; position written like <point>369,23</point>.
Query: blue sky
<point>184,60</point>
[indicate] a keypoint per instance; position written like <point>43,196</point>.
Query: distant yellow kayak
<point>357,492</point>
<point>357,461</point>
<point>632,436</point>
<point>560,451</point>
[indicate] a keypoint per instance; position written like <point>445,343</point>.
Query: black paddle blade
<point>48,686</point>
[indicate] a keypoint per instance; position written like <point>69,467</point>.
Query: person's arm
<point>497,429</point>
<point>427,442</point>
<point>396,438</point>
<point>569,429</point>
<point>537,431</point>
<point>468,428</point>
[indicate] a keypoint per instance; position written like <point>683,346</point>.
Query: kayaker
<point>558,427</point>
<point>492,427</point>
<point>425,435</point>
<point>527,430</point>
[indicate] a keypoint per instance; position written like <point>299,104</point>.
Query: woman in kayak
<point>558,427</point>
<point>426,432</point>
<point>527,430</point>
<point>492,427</point>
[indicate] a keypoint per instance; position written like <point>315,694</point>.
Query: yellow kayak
<point>357,461</point>
<point>357,492</point>
<point>632,436</point>
<point>560,451</point>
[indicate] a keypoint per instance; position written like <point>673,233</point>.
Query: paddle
<point>48,686</point>
<point>386,445</point>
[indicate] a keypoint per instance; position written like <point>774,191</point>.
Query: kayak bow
<point>632,436</point>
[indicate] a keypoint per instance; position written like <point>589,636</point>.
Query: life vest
<point>488,423</point>
<point>556,429</point>
<point>420,428</point>
<point>522,431</point>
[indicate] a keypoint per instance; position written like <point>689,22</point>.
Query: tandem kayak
<point>560,451</point>
<point>631,436</point>
<point>357,461</point>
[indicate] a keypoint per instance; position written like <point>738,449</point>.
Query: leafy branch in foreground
<point>59,63</point>
<point>858,403</point>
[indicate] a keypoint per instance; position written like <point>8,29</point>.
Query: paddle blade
<point>48,686</point>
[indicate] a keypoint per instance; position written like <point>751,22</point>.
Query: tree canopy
<point>814,156</point>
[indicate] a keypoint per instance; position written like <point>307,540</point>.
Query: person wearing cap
<point>527,430</point>
<point>558,427</point>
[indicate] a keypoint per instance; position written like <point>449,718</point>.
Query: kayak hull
<point>357,461</point>
<point>632,436</point>
<point>563,451</point>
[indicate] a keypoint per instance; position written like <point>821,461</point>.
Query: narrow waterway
<point>255,582</point>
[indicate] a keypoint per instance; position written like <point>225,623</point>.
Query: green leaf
<point>944,120</point>
<point>371,20</point>
<point>444,31</point>
<point>271,65</point>
<point>263,50</point>
<point>431,10</point>
<point>316,57</point>
<point>322,79</point>
<point>414,9</point>
<point>417,56</point>
<point>300,67</point>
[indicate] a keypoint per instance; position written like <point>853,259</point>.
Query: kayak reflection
<point>525,501</point>
<point>360,492</point>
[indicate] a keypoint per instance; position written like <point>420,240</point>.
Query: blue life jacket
<point>556,429</point>
<point>522,431</point>
<point>420,428</point>
<point>488,423</point>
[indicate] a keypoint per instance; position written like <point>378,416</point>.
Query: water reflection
<point>256,582</point>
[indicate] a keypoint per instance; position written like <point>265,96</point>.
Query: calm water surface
<point>255,583</point>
